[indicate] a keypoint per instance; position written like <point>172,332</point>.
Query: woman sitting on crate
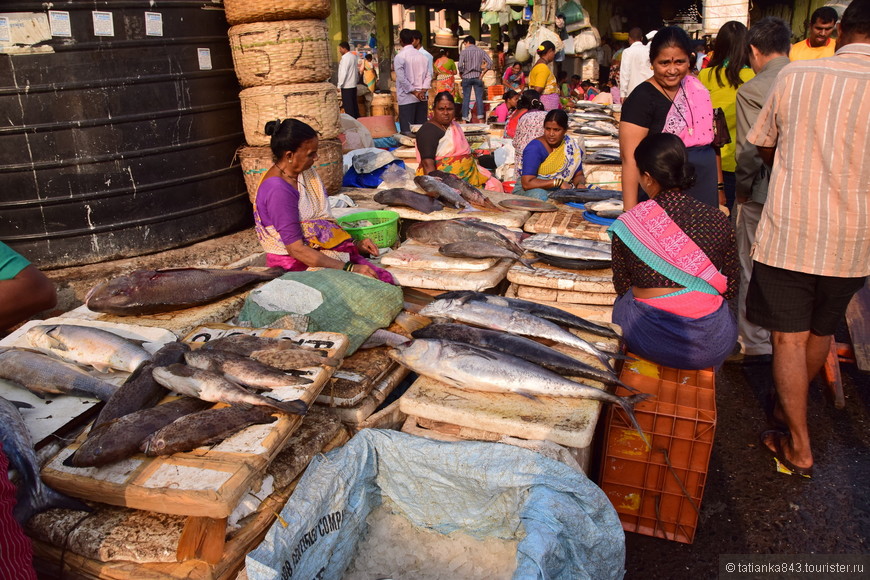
<point>550,162</point>
<point>293,221</point>
<point>442,146</point>
<point>674,265</point>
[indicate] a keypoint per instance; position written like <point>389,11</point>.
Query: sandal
<point>783,465</point>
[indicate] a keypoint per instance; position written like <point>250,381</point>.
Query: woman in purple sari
<point>294,224</point>
<point>674,265</point>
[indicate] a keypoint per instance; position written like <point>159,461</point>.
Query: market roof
<point>461,5</point>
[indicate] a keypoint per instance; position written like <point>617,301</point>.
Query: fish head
<point>413,353</point>
<point>115,293</point>
<point>152,445</point>
<point>40,336</point>
<point>439,308</point>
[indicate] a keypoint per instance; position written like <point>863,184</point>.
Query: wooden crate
<point>593,312</point>
<point>566,221</point>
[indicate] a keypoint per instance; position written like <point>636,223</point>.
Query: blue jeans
<point>467,85</point>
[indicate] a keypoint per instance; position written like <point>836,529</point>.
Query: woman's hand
<point>367,246</point>
<point>364,270</point>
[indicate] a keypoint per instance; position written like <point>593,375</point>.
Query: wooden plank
<point>550,295</point>
<point>544,276</point>
<point>595,313</point>
<point>567,221</point>
<point>858,320</point>
<point>202,538</point>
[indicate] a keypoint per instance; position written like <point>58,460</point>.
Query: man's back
<point>634,68</point>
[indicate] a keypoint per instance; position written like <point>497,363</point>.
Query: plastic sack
<point>521,54</point>
<point>586,40</point>
<point>569,45</point>
<point>565,525</point>
<point>491,6</point>
<point>354,134</point>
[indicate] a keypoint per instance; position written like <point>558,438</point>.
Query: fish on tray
<point>550,313</point>
<point>209,386</point>
<point>280,353</point>
<point>154,291</point>
<point>33,496</point>
<point>539,240</point>
<point>120,438</point>
<point>86,345</point>
<point>513,321</point>
<point>474,249</point>
<point>399,196</point>
<point>566,250</point>
<point>140,390</point>
<point>582,195</point>
<point>471,194</point>
<point>437,187</point>
<point>203,428</point>
<point>473,368</point>
<point>440,233</point>
<point>243,370</point>
<point>573,264</point>
<point>43,375</point>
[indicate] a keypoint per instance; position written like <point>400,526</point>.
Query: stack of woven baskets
<point>281,55</point>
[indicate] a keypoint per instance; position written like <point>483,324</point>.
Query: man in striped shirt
<point>813,244</point>
<point>473,62</point>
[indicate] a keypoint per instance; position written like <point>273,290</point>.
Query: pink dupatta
<point>691,116</point>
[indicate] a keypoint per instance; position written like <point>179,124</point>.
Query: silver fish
<point>557,239</point>
<point>604,205</point>
<point>86,345</point>
<point>213,387</point>
<point>473,368</point>
<point>594,116</point>
<point>242,370</point>
<point>43,375</point>
<point>512,321</point>
<point>444,191</point>
<point>566,250</point>
<point>33,495</point>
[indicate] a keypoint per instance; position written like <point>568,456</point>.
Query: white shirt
<point>634,68</point>
<point>428,56</point>
<point>348,71</point>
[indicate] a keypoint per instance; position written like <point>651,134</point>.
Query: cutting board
<point>452,280</point>
<point>566,221</point>
<point>550,295</point>
<point>209,481</point>
<point>545,276</point>
<point>595,313</point>
<point>413,255</point>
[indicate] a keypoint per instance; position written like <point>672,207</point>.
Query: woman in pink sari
<point>294,224</point>
<point>674,266</point>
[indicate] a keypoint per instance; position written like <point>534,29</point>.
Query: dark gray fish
<point>550,313</point>
<point>583,195</point>
<point>152,291</point>
<point>512,235</point>
<point>243,370</point>
<point>277,352</point>
<point>439,233</point>
<point>43,375</point>
<point>444,191</point>
<point>476,249</point>
<point>203,428</point>
<point>140,390</point>
<point>399,196</point>
<point>120,438</point>
<point>572,264</point>
<point>519,346</point>
<point>471,194</point>
<point>33,496</point>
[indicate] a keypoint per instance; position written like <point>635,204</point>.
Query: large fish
<point>540,239</point>
<point>120,438</point>
<point>86,345</point>
<point>209,386</point>
<point>519,346</point>
<point>473,368</point>
<point>574,264</point>
<point>566,250</point>
<point>471,194</point>
<point>439,233</point>
<point>203,428</point>
<point>399,196</point>
<point>513,321</point>
<point>475,249</point>
<point>33,496</point>
<point>444,191</point>
<point>43,375</point>
<point>152,291</point>
<point>512,235</point>
<point>140,390</point>
<point>277,352</point>
<point>550,313</point>
<point>243,370</point>
<point>583,195</point>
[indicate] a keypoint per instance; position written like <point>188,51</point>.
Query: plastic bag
<point>354,134</point>
<point>396,176</point>
<point>566,526</point>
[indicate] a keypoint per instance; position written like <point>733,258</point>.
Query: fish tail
<point>526,263</point>
<point>43,498</point>
<point>628,403</point>
<point>297,407</point>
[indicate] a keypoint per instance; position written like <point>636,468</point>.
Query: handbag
<point>721,134</point>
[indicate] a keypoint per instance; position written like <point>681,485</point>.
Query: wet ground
<point>748,508</point>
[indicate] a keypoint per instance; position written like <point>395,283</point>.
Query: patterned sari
<point>563,161</point>
<point>445,69</point>
<point>453,155</point>
<point>691,116</point>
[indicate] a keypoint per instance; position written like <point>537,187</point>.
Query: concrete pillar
<point>384,34</point>
<point>474,25</point>
<point>336,23</point>
<point>451,17</point>
<point>421,20</point>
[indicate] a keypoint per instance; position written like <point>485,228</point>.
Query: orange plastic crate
<point>494,92</point>
<point>704,378</point>
<point>657,490</point>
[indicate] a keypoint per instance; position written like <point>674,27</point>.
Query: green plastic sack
<point>333,300</point>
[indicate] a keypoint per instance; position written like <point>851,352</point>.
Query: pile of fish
<point>571,253</point>
<point>154,291</point>
<point>439,189</point>
<point>600,131</point>
<point>494,354</point>
<point>469,238</point>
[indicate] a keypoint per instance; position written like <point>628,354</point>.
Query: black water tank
<point>117,146</point>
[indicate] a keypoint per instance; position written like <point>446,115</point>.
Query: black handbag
<point>721,134</point>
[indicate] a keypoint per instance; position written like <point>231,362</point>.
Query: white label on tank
<point>153,24</point>
<point>5,34</point>
<point>59,23</point>
<point>103,23</point>
<point>204,55</point>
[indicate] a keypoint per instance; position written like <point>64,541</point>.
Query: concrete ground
<point>748,508</point>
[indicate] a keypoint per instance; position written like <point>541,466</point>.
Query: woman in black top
<point>671,101</point>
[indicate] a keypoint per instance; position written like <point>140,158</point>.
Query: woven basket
<point>242,11</point>
<point>257,160</point>
<point>313,103</point>
<point>275,53</point>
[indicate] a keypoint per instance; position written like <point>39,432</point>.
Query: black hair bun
<point>272,127</point>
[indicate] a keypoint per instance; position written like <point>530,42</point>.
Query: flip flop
<point>783,465</point>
